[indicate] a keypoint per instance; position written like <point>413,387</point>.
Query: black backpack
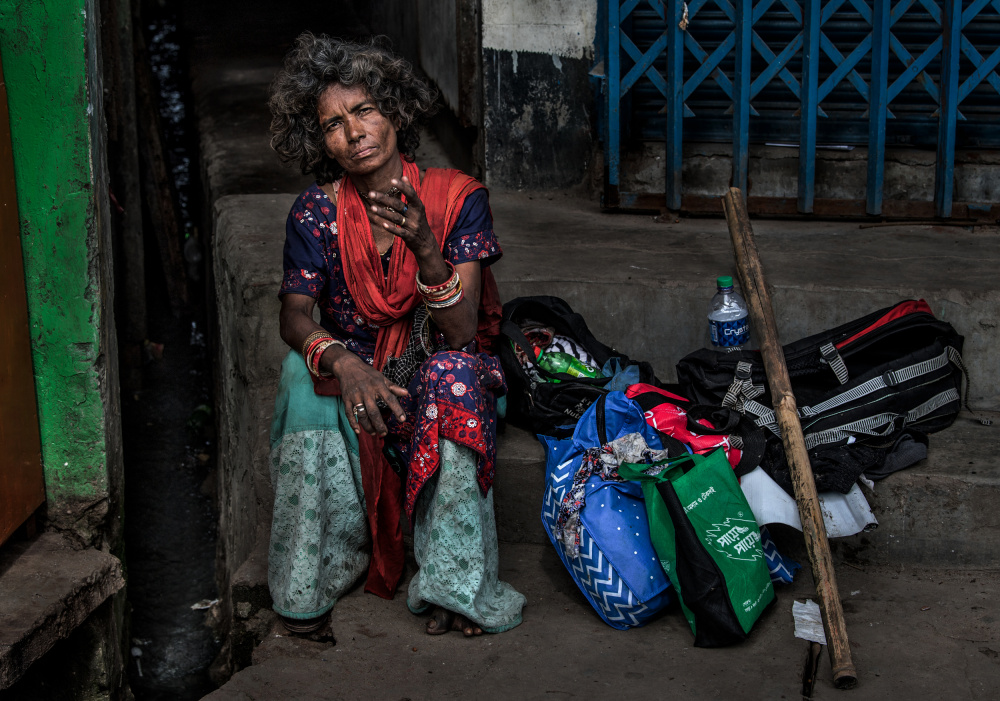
<point>552,408</point>
<point>861,388</point>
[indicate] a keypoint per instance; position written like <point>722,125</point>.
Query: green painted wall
<point>46,52</point>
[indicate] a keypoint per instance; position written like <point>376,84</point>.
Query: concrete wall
<point>537,101</point>
<point>437,23</point>
<point>50,58</point>
<point>247,261</point>
<point>773,172</point>
<point>396,19</point>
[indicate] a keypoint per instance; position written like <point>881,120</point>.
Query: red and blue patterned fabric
<point>453,395</point>
<point>312,267</point>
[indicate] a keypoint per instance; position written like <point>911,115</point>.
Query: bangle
<point>315,344</point>
<point>450,301</point>
<point>434,291</point>
<point>314,336</point>
<point>316,354</point>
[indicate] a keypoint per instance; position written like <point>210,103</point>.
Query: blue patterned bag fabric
<point>782,568</point>
<point>616,567</point>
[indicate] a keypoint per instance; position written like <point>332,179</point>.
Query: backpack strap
<point>742,386</point>
<point>831,356</point>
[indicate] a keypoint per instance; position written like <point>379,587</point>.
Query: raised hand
<point>404,218</point>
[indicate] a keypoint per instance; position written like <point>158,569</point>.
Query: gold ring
<point>402,223</point>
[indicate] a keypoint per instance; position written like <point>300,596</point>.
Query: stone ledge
<point>48,589</point>
<point>927,513</point>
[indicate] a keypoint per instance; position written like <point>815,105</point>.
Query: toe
<point>441,622</point>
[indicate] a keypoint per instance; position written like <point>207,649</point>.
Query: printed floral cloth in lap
<point>453,397</point>
<point>455,544</point>
<point>319,543</point>
<point>603,462</point>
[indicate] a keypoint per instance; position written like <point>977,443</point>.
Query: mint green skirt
<point>320,545</point>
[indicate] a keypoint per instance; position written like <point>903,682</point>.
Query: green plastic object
<point>556,362</point>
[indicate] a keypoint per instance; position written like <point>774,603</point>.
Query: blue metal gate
<point>854,71</point>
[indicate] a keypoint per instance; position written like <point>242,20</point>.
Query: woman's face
<point>356,134</point>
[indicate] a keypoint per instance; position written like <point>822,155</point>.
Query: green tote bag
<point>708,543</point>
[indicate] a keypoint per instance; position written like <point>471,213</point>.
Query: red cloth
<point>671,419</point>
<point>389,302</point>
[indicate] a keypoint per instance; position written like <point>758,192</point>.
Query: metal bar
<point>845,67</point>
<point>613,97</point>
<point>675,102</point>
<point>708,65</point>
<point>944,176</point>
<point>776,65</point>
<point>878,104</point>
<point>977,58</point>
<point>914,67</point>
<point>626,9</point>
<point>643,65</point>
<point>899,10</point>
<point>811,22</point>
<point>741,93</point>
<point>984,69</point>
<point>972,10</point>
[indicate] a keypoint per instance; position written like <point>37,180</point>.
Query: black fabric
<point>702,585</point>
<point>835,467</point>
<point>553,408</point>
<point>727,422</point>
<point>419,348</point>
<point>707,375</point>
<point>909,449</point>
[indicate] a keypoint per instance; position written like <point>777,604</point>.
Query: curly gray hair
<point>317,62</point>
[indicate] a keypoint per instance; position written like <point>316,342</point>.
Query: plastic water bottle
<point>728,322</point>
<point>564,362</point>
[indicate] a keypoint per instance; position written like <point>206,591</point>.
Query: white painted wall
<point>560,27</point>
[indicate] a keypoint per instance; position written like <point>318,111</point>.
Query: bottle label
<point>727,334</point>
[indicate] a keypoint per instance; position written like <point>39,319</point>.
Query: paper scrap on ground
<point>808,621</point>
<point>843,514</point>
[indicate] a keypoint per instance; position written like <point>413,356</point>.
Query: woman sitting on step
<point>388,404</point>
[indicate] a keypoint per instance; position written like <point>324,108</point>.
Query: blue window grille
<point>872,72</point>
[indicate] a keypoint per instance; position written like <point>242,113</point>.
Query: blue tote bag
<point>617,568</point>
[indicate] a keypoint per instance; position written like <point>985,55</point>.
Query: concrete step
<point>645,286</point>
<point>944,511</point>
<point>914,632</point>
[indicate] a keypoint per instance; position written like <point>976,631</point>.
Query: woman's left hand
<point>408,221</point>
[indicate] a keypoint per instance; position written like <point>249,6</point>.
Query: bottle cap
<point>724,281</point>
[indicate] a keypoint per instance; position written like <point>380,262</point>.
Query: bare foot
<point>442,620</point>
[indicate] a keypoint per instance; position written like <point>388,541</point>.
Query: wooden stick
<point>762,318</point>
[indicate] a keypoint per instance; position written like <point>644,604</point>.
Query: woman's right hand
<point>361,387</point>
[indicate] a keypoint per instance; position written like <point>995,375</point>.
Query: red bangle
<point>431,290</point>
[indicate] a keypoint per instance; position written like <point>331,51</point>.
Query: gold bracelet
<point>312,337</point>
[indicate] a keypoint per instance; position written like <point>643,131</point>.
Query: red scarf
<point>389,303</point>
